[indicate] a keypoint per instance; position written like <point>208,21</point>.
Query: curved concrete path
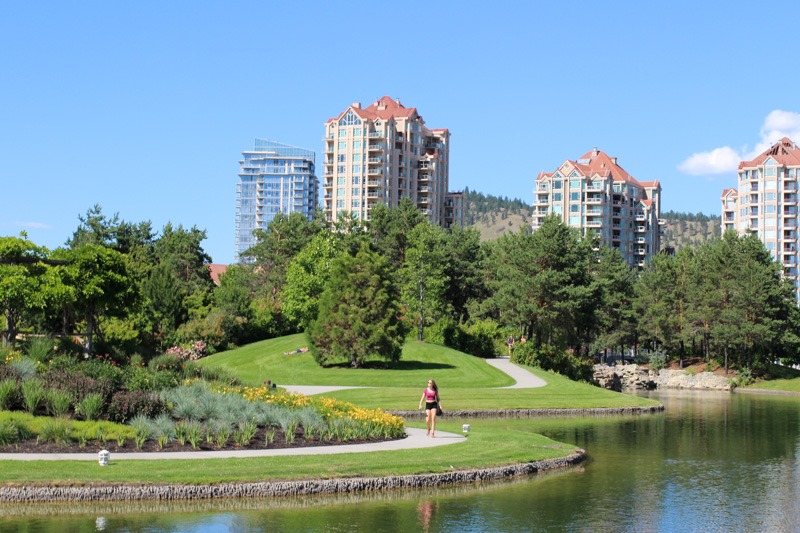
<point>416,439</point>
<point>525,378</point>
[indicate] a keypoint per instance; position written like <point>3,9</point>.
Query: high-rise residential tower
<point>597,195</point>
<point>381,154</point>
<point>273,178</point>
<point>766,202</point>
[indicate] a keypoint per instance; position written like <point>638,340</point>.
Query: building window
<point>342,145</point>
<point>342,158</point>
<point>574,197</point>
<point>341,169</point>
<point>350,119</point>
<point>340,180</point>
<point>342,132</point>
<point>356,169</point>
<point>356,158</point>
<point>356,191</point>
<point>340,204</point>
<point>556,196</point>
<point>356,145</point>
<point>356,180</point>
<point>556,184</point>
<point>340,191</point>
<point>574,208</point>
<point>575,184</point>
<point>355,203</point>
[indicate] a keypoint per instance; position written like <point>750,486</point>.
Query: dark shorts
<point>430,405</point>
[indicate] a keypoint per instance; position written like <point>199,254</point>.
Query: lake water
<point>710,462</point>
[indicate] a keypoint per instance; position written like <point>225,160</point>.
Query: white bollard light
<point>465,428</point>
<point>104,457</point>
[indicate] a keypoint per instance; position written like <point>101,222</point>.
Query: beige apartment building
<point>598,196</point>
<point>381,154</point>
<point>766,202</point>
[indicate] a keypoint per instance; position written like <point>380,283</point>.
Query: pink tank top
<point>430,395</point>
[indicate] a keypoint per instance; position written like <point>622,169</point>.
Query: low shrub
<point>480,338</point>
<point>40,348</point>
<point>32,395</point>
<point>57,430</point>
<point>9,394</point>
<point>166,361</point>
<point>8,432</point>
<point>102,369</point>
<point>24,368</point>
<point>125,405</point>
<point>57,402</point>
<point>139,378</point>
<point>90,407</point>
<point>550,358</point>
<point>77,384</point>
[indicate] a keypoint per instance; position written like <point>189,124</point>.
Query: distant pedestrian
<point>522,340</point>
<point>510,344</point>
<point>433,406</point>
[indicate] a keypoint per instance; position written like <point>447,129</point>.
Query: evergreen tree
<point>358,313</point>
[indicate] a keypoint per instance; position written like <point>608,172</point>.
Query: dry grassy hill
<point>492,216</point>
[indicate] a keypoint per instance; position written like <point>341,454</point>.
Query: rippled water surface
<point>710,462</point>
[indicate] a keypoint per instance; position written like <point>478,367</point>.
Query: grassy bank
<point>259,361</point>
<point>492,442</point>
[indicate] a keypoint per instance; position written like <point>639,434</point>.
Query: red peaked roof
<point>216,270</point>
<point>598,163</point>
<point>784,152</point>
<point>384,108</point>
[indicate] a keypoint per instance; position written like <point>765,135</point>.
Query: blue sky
<point>145,107</point>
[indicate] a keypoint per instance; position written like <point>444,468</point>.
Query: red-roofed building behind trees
<point>766,203</point>
<point>383,153</point>
<point>596,195</point>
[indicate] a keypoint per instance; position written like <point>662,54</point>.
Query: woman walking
<point>433,406</point>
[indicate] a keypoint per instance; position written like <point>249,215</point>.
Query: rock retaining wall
<point>622,377</point>
<point>118,492</point>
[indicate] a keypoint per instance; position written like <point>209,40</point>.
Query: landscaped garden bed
<point>65,404</point>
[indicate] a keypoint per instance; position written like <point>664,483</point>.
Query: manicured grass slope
<point>560,393</point>
<point>466,382</point>
<point>263,360</point>
<point>792,385</point>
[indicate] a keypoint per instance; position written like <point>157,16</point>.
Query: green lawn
<point>792,385</point>
<point>559,393</point>
<point>466,382</point>
<point>420,361</point>
<point>492,442</point>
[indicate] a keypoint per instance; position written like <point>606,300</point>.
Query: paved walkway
<point>416,437</point>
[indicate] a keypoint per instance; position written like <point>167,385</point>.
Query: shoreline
<point>97,492</point>
<point>507,413</point>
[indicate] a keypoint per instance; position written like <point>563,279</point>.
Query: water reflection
<point>709,462</point>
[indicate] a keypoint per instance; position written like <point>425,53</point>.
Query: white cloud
<point>777,124</point>
<point>717,161</point>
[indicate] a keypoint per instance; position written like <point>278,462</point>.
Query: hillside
<point>493,215</point>
<point>688,229</point>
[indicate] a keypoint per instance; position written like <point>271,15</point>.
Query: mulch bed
<point>257,443</point>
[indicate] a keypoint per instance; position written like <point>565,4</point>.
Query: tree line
<point>361,289</point>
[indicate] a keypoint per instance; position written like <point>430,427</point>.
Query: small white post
<point>104,457</point>
<point>465,428</point>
